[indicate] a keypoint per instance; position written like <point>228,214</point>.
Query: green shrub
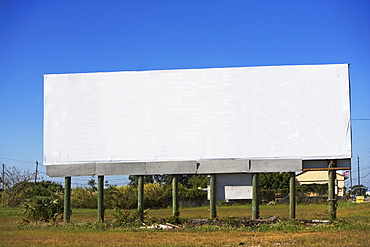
<point>43,201</point>
<point>43,208</point>
<point>125,218</point>
<point>157,195</point>
<point>84,198</point>
<point>124,197</point>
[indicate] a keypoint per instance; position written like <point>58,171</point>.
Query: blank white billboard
<point>274,112</point>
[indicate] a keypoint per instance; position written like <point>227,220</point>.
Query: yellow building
<point>321,177</point>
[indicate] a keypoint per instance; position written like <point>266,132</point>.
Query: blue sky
<point>43,37</point>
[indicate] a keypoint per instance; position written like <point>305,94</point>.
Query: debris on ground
<point>166,226</point>
<point>244,222</point>
<point>231,221</point>
<point>315,221</point>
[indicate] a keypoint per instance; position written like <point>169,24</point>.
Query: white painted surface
<point>238,192</point>
<point>254,112</point>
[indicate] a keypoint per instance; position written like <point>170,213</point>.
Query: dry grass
<point>216,238</point>
<point>349,235</point>
<point>346,211</point>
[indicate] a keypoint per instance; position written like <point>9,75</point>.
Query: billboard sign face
<point>274,112</point>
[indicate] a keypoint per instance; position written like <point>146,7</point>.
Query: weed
<point>175,220</point>
<point>125,218</point>
<point>23,223</point>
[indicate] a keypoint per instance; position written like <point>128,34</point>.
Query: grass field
<point>352,229</point>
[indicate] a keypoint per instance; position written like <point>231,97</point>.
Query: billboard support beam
<point>140,197</point>
<point>67,199</point>
<point>326,169</point>
<point>331,191</point>
<point>292,197</point>
<point>255,196</point>
<point>175,201</point>
<point>101,198</point>
<point>212,196</point>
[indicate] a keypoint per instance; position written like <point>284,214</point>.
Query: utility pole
<point>3,182</point>
<point>37,166</point>
<point>358,169</point>
<point>3,176</point>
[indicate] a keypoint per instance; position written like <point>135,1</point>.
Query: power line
<point>362,159</point>
<point>361,169</point>
<point>366,175</point>
<point>17,160</point>
<point>81,179</point>
<point>365,155</point>
<point>21,169</point>
<point>365,151</point>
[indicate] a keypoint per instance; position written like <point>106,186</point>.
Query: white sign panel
<point>238,192</point>
<point>274,112</point>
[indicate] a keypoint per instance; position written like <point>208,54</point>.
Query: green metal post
<point>140,197</point>
<point>100,198</point>
<point>331,192</point>
<point>67,199</point>
<point>175,202</point>
<point>212,196</point>
<point>292,198</point>
<point>255,196</point>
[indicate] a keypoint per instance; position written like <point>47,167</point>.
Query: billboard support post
<point>140,197</point>
<point>331,191</point>
<point>67,199</point>
<point>175,201</point>
<point>292,197</point>
<point>101,198</point>
<point>212,196</point>
<point>255,196</point>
